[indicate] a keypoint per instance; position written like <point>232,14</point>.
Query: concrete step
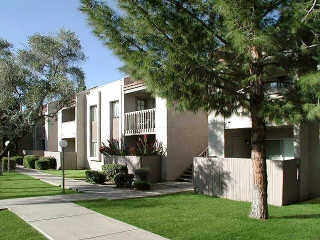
<point>184,179</point>
<point>186,176</point>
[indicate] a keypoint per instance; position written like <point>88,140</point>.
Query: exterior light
<point>63,144</point>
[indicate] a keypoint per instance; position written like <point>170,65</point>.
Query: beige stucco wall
<point>309,160</point>
<point>51,126</point>
<point>187,136</point>
<point>81,133</point>
<point>315,159</point>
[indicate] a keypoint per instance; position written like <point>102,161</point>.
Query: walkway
<point>61,221</point>
<point>109,191</point>
<point>57,217</point>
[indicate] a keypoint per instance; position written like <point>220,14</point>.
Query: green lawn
<point>16,185</point>
<point>12,227</point>
<point>75,174</point>
<point>192,216</point>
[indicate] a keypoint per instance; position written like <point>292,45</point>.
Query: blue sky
<point>19,19</point>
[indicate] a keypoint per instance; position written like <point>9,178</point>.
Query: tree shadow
<point>210,178</point>
<point>302,216</point>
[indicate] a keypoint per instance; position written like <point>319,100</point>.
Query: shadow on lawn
<point>302,216</point>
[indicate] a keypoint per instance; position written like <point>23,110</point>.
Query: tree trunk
<point>259,207</point>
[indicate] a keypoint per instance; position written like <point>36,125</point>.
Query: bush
<point>18,159</point>
<point>30,160</point>
<point>141,174</point>
<point>95,177</point>
<point>141,185</point>
<point>42,164</point>
<point>123,180</point>
<point>111,170</point>
<point>52,162</point>
<point>12,163</point>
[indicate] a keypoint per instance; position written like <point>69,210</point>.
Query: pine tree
<point>220,56</point>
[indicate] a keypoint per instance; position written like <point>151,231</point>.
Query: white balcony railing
<point>140,122</point>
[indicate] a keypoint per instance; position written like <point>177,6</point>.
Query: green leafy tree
<point>46,70</point>
<point>220,56</point>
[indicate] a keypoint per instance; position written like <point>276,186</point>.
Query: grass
<point>16,185</point>
<point>75,174</point>
<point>192,216</point>
<point>12,227</point>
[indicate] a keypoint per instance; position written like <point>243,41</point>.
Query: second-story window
<point>93,131</point>
<point>140,104</point>
<point>115,109</point>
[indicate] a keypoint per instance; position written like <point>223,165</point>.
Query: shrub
<point>146,147</point>
<point>95,177</point>
<point>42,164</point>
<point>123,180</point>
<point>114,148</point>
<point>111,170</point>
<point>12,163</point>
<point>18,159</point>
<point>52,162</point>
<point>141,174</point>
<point>29,161</point>
<point>141,185</point>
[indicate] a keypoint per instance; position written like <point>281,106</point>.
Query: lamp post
<point>8,166</point>
<point>63,144</point>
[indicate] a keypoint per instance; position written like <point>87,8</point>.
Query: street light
<point>63,144</point>
<point>8,166</point>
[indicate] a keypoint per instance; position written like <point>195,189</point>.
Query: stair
<point>186,176</point>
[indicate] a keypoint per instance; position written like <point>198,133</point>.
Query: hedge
<point>111,170</point>
<point>141,173</point>
<point>30,160</point>
<point>52,161</point>
<point>141,185</point>
<point>95,177</point>
<point>18,159</point>
<point>42,164</point>
<point>12,163</point>
<point>123,180</point>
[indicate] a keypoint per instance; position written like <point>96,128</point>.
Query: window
<point>279,149</point>
<point>93,149</point>
<point>93,131</point>
<point>140,104</point>
<point>115,109</point>
<point>93,113</point>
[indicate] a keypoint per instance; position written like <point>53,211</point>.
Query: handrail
<point>140,122</point>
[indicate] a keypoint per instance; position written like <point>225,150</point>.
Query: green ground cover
<point>16,185</point>
<point>13,227</point>
<point>192,216</point>
<point>75,174</point>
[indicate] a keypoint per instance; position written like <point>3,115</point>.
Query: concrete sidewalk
<point>57,218</point>
<point>68,221</point>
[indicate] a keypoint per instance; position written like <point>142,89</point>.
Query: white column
<point>216,135</point>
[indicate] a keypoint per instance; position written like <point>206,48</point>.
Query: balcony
<point>139,122</point>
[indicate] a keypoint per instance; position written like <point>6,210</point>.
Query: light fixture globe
<point>63,143</point>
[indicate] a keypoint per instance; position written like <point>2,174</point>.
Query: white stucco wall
<point>215,135</point>
<point>101,97</point>
<point>162,131</point>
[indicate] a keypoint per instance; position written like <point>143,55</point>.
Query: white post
<point>63,144</point>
